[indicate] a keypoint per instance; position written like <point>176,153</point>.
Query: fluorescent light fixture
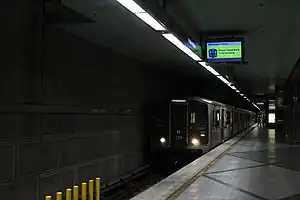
<point>209,68</point>
<point>237,91</point>
<point>241,94</point>
<point>131,6</point>
<point>260,103</point>
<point>202,135</point>
<point>223,79</point>
<point>179,100</point>
<point>148,19</point>
<point>174,40</point>
<point>232,87</point>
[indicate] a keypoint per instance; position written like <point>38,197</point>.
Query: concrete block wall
<point>85,116</point>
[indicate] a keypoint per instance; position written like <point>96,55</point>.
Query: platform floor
<point>260,166</point>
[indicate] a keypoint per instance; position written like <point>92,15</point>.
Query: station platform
<point>257,164</point>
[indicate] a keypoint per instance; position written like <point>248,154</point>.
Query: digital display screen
<point>195,47</point>
<point>228,51</point>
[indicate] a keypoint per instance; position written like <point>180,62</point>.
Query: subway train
<point>196,125</point>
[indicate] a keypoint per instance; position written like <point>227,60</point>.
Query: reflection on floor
<point>260,166</point>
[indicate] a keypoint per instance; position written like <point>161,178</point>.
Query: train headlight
<point>195,142</point>
<point>162,140</point>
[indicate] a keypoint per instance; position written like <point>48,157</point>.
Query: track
<point>141,179</point>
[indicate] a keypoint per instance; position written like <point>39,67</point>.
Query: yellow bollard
<point>83,191</point>
<point>68,194</point>
<point>91,189</point>
<point>75,192</point>
<point>48,198</point>
<point>58,195</point>
<point>97,188</point>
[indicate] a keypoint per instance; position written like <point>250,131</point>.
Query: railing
<point>92,192</point>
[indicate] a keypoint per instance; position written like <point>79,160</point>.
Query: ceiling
<point>271,30</point>
<point>120,30</point>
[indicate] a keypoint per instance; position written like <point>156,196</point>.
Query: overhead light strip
<point>133,7</point>
<point>234,88</point>
<point>148,19</point>
<point>174,40</point>
<point>142,14</point>
<point>209,68</point>
<point>223,79</point>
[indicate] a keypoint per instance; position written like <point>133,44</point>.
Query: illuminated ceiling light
<point>131,6</point>
<point>237,91</point>
<point>209,68</point>
<point>241,94</point>
<point>174,40</point>
<point>179,100</point>
<point>260,103</point>
<point>148,19</point>
<point>234,88</point>
<point>223,79</point>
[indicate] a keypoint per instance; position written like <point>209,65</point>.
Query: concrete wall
<point>76,114</point>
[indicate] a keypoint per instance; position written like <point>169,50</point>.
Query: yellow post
<point>83,191</point>
<point>97,188</point>
<point>68,194</point>
<point>75,192</point>
<point>91,189</point>
<point>48,198</point>
<point>58,195</point>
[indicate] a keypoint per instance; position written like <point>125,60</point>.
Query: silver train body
<point>197,125</point>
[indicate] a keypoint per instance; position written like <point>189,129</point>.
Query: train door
<point>216,137</point>
<point>230,122</point>
<point>234,124</point>
<point>227,125</point>
<point>179,125</point>
<point>222,125</point>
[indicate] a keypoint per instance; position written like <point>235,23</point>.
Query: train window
<point>217,118</point>
<point>213,116</point>
<point>193,118</point>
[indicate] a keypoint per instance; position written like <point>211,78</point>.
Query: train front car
<point>198,126</point>
<point>187,128</point>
